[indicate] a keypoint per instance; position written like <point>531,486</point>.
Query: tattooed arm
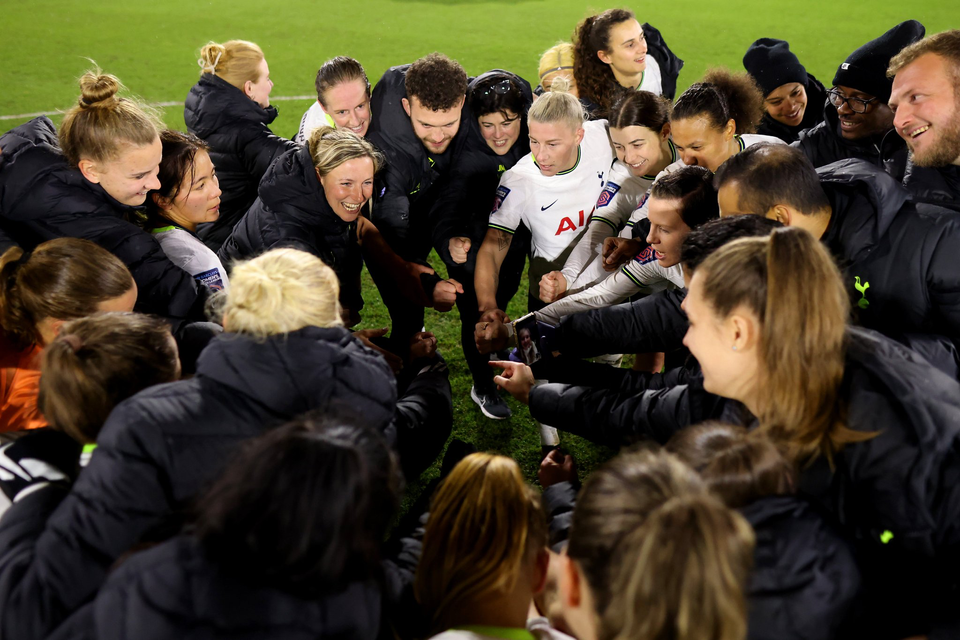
<point>487,274</point>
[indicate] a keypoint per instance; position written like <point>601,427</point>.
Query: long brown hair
<point>485,522</point>
<point>98,361</point>
<point>595,79</point>
<point>792,285</point>
<point>65,278</point>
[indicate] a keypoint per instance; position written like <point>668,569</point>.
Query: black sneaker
<point>490,403</point>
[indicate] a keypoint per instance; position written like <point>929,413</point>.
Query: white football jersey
<point>314,118</point>
<point>652,79</point>
<point>554,208</point>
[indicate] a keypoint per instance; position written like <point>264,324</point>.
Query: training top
<point>554,208</point>
<point>652,79</point>
<point>314,117</point>
<point>190,254</point>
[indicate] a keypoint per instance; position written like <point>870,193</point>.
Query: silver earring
<point>734,347</point>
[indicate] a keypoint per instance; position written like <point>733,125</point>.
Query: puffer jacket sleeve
<point>617,417</point>
<point>653,323</point>
<point>559,500</point>
<point>115,500</point>
<point>258,147</point>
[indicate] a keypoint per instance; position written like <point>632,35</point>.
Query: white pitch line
<point>25,116</point>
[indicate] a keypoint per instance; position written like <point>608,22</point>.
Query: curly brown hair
<point>723,95</point>
<point>437,82</point>
<point>595,79</point>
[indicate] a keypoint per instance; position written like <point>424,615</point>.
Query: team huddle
<point>195,443</point>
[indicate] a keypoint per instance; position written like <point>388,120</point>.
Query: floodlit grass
<point>153,47</point>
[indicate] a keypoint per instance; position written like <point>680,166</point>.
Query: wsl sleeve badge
<point>502,193</point>
<point>607,194</point>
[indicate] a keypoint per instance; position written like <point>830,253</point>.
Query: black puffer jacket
<point>176,591</point>
<point>466,197</point>
<point>812,115</point>
<point>823,144</point>
<point>805,581</point>
<point>933,186</point>
<point>899,264</point>
<point>160,447</point>
<point>406,189</point>
<point>292,211</point>
<point>42,198</point>
<point>241,147</point>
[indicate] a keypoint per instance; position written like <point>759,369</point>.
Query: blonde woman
<point>484,551</point>
<point>86,181</point>
<point>229,108</point>
<point>312,199</point>
<point>285,352</point>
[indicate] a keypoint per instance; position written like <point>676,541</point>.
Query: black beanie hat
<point>866,68</point>
<point>772,64</point>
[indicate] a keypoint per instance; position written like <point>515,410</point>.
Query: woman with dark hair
<point>495,136</point>
<point>60,280</point>
<point>285,542</point>
<point>793,99</point>
<point>229,109</point>
<point>805,581</point>
<point>613,51</point>
<point>87,181</point>
<point>189,195</point>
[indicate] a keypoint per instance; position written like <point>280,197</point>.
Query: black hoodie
<point>241,147</point>
<point>43,198</point>
<point>823,145</point>
<point>160,447</point>
<point>292,211</point>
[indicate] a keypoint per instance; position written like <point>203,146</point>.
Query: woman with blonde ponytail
<point>652,555</point>
<point>88,180</point>
<point>284,353</point>
<point>229,109</point>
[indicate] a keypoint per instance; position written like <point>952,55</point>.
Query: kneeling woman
<point>189,195</point>
<point>311,199</point>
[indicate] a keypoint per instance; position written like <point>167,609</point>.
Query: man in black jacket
<point>417,110</point>
<point>857,122</point>
<point>926,101</point>
<point>899,264</point>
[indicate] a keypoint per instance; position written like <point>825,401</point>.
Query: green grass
<point>153,46</point>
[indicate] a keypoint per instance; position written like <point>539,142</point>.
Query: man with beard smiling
<point>857,122</point>
<point>926,101</point>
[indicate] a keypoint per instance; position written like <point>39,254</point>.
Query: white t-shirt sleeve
<point>508,203</point>
<point>314,117</point>
<point>652,77</point>
<point>194,257</point>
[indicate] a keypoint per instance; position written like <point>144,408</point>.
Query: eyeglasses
<point>857,105</point>
<point>500,88</point>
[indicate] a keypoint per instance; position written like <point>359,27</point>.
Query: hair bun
<point>98,89</point>
<point>561,84</point>
<point>210,55</point>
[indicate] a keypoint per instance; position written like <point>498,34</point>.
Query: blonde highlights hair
<point>236,61</point>
<point>100,122</point>
<point>682,574</point>
<point>485,523</point>
<point>280,291</point>
<point>329,148</point>
<point>792,285</point>
<point>559,57</point>
<point>558,105</point>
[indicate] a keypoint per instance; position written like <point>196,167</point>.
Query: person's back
<point>229,108</point>
<point>285,354</point>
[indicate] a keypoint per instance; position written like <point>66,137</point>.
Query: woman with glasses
<point>857,121</point>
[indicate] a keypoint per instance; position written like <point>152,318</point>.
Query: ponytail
<point>236,61</point>
<point>681,575</point>
<point>721,96</point>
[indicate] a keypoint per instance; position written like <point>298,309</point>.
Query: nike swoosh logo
<point>549,205</point>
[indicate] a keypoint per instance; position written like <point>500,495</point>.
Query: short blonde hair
<point>557,58</point>
<point>329,148</point>
<point>236,61</point>
<point>558,105</point>
<point>280,291</point>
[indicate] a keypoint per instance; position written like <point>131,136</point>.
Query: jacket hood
<point>32,161</point>
<point>474,141</point>
<point>214,103</point>
<point>865,201</point>
<point>390,121</point>
<point>311,368</point>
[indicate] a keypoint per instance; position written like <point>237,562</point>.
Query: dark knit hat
<point>772,64</point>
<point>866,68</point>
